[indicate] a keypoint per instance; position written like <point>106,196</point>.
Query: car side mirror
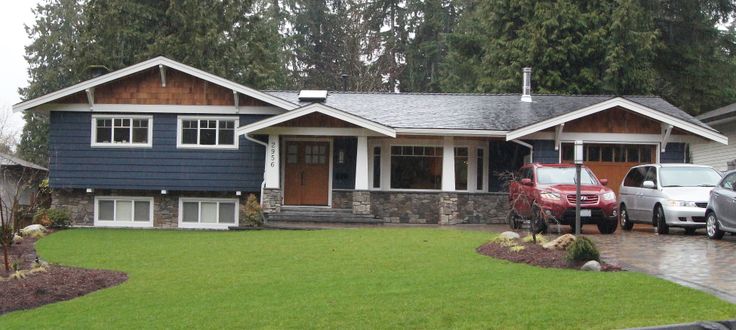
<point>527,182</point>
<point>649,184</point>
<point>604,182</point>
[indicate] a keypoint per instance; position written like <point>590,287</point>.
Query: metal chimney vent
<point>526,91</point>
<point>309,95</point>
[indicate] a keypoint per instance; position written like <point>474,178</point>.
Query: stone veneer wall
<point>271,200</point>
<point>439,207</point>
<point>80,204</point>
<point>342,198</point>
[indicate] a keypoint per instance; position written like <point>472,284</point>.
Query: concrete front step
<point>321,215</point>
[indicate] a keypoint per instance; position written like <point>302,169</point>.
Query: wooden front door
<point>307,173</point>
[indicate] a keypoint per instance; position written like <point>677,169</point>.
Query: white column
<point>448,164</point>
<point>385,165</point>
<point>472,168</point>
<point>273,167</point>
<point>361,164</point>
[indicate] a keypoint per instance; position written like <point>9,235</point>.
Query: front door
<point>307,173</point>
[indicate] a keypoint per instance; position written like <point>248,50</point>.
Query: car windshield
<point>563,175</point>
<point>688,177</point>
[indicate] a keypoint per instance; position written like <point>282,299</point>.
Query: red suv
<point>547,192</point>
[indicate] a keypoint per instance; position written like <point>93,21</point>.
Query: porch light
<point>238,193</point>
<point>578,152</point>
<point>341,156</point>
<point>163,192</point>
<point>90,190</point>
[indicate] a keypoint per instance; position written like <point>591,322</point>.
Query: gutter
<point>531,149</point>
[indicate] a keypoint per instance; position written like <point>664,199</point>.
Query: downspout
<point>531,149</point>
<point>263,183</point>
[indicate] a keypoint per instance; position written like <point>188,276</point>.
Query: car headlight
<point>550,196</point>
<point>609,196</point>
<point>677,203</point>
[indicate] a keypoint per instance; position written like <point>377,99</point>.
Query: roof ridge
<point>461,93</point>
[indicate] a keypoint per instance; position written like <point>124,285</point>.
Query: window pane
<point>416,172</point>
<point>479,170</point>
<point>207,136</point>
<point>140,135</point>
<point>227,213</point>
<point>104,134</point>
<point>376,167</point>
<point>142,211</point>
<point>209,212</point>
<point>189,136</point>
<point>568,152</point>
<point>190,212</point>
<point>461,168</point>
<point>645,155</point>
<point>607,154</point>
<point>106,210</point>
<point>227,132</point>
<point>632,154</point>
<point>124,211</point>
<point>121,134</point>
<point>594,154</point>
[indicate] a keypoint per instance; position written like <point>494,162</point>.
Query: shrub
<point>52,218</point>
<point>583,249</point>
<point>252,211</point>
<point>529,238</point>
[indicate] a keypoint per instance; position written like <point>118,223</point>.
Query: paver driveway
<point>694,261</point>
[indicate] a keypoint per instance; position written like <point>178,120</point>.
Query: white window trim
<point>131,224</point>
<point>93,135</point>
<point>199,225</point>
<point>236,137</point>
<point>386,144</point>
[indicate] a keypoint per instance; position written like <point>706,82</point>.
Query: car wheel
<point>690,231</point>
<point>608,227</point>
<point>626,224</point>
<point>712,228</point>
<point>662,227</point>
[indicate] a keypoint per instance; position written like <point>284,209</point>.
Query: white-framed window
<point>122,211</point>
<point>122,131</point>
<point>208,213</point>
<point>207,132</point>
<point>416,167</point>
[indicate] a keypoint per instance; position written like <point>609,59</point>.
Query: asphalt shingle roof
<point>502,112</point>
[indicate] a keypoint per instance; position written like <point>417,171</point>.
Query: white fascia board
<point>154,62</point>
<point>450,132</point>
<point>323,109</point>
<point>164,108</point>
<point>628,105</point>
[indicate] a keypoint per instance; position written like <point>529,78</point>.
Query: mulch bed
<point>58,283</point>
<point>536,255</point>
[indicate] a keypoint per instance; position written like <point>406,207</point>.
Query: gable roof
<point>721,115</point>
<point>155,62</point>
<point>500,113</point>
<point>8,160</point>
<point>319,108</point>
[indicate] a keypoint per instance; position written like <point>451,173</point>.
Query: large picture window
<point>208,213</point>
<point>207,132</point>
<point>416,167</point>
<point>121,131</point>
<point>115,211</point>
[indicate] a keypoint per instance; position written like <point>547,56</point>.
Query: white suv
<point>666,195</point>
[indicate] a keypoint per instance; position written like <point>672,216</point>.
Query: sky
<point>12,64</point>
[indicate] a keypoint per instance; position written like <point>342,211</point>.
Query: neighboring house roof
<point>720,115</point>
<point>145,65</point>
<point>499,112</point>
<point>8,160</point>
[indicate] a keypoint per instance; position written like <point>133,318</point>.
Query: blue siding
<point>74,164</point>
<point>675,153</point>
<point>544,152</point>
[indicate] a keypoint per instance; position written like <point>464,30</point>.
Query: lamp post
<point>578,164</point>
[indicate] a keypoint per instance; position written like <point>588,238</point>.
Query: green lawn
<point>355,278</point>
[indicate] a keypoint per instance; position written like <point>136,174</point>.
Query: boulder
<point>591,266</point>
<point>560,243</point>
<point>33,230</point>
<point>509,235</point>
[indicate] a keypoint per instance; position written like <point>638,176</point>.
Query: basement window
<point>210,213</point>
<point>119,211</point>
<point>207,132</point>
<point>121,131</point>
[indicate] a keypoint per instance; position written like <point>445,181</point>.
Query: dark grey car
<point>721,211</point>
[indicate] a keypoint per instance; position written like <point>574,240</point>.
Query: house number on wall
<point>274,150</point>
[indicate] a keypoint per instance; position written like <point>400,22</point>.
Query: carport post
<point>578,165</point>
